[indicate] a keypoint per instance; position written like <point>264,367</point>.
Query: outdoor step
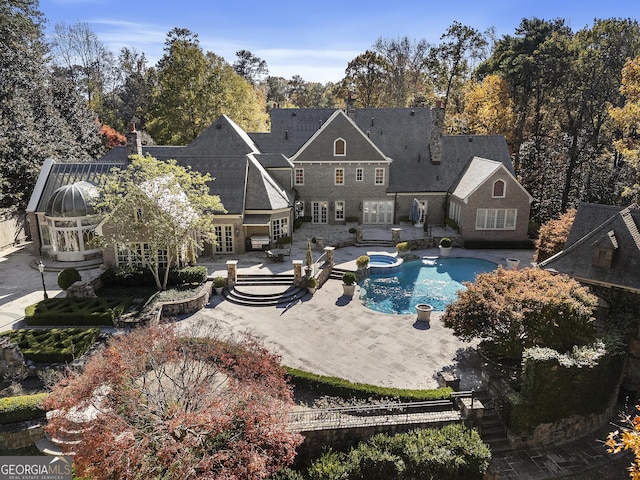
<point>264,299</point>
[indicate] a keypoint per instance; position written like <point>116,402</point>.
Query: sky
<point>313,39</point>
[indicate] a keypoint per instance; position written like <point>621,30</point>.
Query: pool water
<point>431,280</point>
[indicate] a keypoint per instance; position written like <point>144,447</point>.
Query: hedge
<point>505,245</point>
<point>54,345</point>
<point>557,386</point>
<point>344,388</point>
<point>22,408</point>
<point>448,453</point>
<point>142,277</point>
<point>76,311</point>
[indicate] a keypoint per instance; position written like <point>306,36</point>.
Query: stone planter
<point>445,251</point>
<point>512,263</point>
<point>348,290</point>
<point>423,310</point>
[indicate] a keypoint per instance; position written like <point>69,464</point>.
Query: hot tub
<point>382,263</point>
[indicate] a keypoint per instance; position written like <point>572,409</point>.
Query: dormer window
<point>498,189</point>
<point>603,250</point>
<point>339,147</point>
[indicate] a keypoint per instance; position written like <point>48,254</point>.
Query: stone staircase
<point>337,273</point>
<point>493,431</point>
<point>262,290</point>
<point>375,243</point>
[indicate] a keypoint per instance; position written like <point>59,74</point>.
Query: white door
<point>319,212</point>
<point>377,212</point>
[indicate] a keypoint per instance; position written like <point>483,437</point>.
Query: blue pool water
<point>432,280</point>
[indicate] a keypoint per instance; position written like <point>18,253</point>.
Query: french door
<point>377,212</point>
<point>319,212</point>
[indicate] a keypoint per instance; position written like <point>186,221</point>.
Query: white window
<point>379,178</point>
<point>496,219</point>
<point>499,189</point>
<point>298,176</point>
<point>279,228</point>
<point>339,206</point>
<point>454,212</point>
<point>359,174</point>
<point>140,254</point>
<point>339,176</point>
<point>339,147</point>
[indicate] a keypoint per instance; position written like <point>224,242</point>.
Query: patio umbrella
<point>414,211</point>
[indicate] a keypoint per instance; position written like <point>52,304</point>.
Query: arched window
<point>498,189</point>
<point>339,147</point>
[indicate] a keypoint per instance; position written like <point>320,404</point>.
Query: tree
<point>39,115</point>
<point>194,89</point>
<point>175,206</point>
<point>407,67</point>
<point>87,61</point>
<point>627,437</point>
<point>157,404</point>
<point>511,310</point>
<point>488,108</point>
<point>553,235</point>
<point>366,78</point>
<point>451,62</point>
<point>250,67</point>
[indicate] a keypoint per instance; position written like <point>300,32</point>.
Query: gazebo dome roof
<point>72,200</point>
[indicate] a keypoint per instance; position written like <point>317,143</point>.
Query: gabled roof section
<point>588,216</point>
<point>265,193</point>
<point>229,174</point>
<point>273,160</point>
<point>477,173</point>
<point>291,128</point>
<point>320,146</point>
<point>619,232</point>
<point>222,138</point>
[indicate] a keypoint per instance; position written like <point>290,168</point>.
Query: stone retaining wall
<point>20,435</point>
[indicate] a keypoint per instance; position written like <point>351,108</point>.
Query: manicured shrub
<point>312,282</point>
<point>445,242</point>
<point>218,282</point>
<point>403,247</point>
<point>54,345</point>
<point>21,408</point>
<point>448,453</point>
<point>362,261</point>
<point>187,275</point>
<point>68,277</point>
<point>340,387</point>
<point>349,278</point>
<point>76,311</point>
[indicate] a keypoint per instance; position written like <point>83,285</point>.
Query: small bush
<point>362,261</point>
<point>403,247</point>
<point>352,231</point>
<point>218,282</point>
<point>286,240</point>
<point>187,276</point>
<point>445,242</point>
<point>68,277</point>
<point>351,219</point>
<point>349,278</point>
<point>21,408</point>
<point>312,282</point>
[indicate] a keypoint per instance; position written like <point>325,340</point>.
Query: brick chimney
<point>134,141</point>
<point>350,105</point>
<point>437,129</point>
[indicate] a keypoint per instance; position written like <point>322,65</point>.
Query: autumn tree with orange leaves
<point>627,438</point>
<point>553,235</point>
<point>511,310</point>
<point>157,404</point>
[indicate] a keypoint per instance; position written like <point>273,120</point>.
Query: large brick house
<point>329,165</point>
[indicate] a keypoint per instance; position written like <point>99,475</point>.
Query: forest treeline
<point>568,102</point>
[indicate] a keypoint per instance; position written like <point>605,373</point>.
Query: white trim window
<point>496,218</point>
<point>135,254</point>
<point>379,176</point>
<point>339,147</point>
<point>279,228</point>
<point>298,176</point>
<point>455,212</point>
<point>339,176</point>
<point>499,189</point>
<point>339,208</point>
<point>359,174</point>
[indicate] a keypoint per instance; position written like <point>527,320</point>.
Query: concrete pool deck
<point>333,335</point>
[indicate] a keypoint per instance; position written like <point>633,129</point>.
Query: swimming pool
<point>432,280</point>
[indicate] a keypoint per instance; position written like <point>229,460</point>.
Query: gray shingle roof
<point>619,232</point>
<point>224,137</point>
